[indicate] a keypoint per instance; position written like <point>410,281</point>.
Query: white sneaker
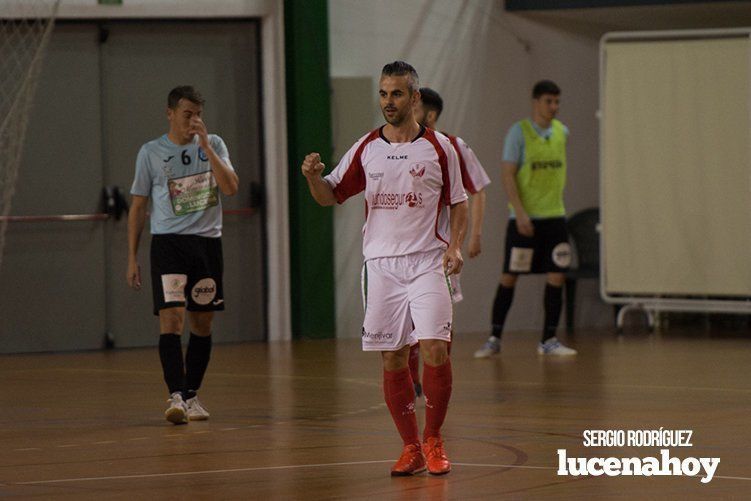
<point>196,412</point>
<point>177,412</point>
<point>491,347</point>
<point>554,347</point>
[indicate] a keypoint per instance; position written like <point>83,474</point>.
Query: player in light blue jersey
<point>182,173</point>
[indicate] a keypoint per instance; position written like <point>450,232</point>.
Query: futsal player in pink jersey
<point>474,178</point>
<point>416,216</point>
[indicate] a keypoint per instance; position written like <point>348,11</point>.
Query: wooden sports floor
<point>306,420</point>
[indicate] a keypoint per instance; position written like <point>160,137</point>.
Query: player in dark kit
<point>182,173</point>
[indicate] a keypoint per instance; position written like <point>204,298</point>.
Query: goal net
<point>25,29</point>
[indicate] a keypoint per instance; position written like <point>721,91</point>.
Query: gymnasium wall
<point>484,62</point>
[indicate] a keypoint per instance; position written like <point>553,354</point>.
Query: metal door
<point>141,62</point>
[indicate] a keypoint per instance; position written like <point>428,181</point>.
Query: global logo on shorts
<point>204,291</point>
<point>562,255</point>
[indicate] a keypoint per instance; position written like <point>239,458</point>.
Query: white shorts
<point>406,299</point>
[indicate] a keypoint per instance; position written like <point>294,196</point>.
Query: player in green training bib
<point>533,172</point>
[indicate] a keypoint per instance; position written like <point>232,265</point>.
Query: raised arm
<point>226,178</point>
<point>312,167</point>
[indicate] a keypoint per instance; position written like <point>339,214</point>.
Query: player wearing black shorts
<point>182,173</point>
<point>534,176</point>
<point>187,263</point>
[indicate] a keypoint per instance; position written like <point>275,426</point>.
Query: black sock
<point>501,305</point>
<point>196,361</point>
<point>553,304</point>
<point>171,355</point>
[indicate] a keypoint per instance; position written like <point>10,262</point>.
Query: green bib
<point>541,178</point>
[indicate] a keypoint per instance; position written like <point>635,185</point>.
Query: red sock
<point>436,383</point>
<point>414,362</point>
<point>400,398</point>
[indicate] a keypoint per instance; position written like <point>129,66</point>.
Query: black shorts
<point>186,270</point>
<point>548,251</point>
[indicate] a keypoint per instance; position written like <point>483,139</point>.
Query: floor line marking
<point>483,465</point>
<point>292,467</point>
<point>732,478</point>
<point>204,472</point>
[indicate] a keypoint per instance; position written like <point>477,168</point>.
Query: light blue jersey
<point>178,179</point>
<point>513,146</point>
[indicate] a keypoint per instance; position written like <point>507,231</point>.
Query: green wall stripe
<point>309,129</point>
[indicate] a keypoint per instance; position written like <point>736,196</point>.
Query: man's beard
<point>397,120</point>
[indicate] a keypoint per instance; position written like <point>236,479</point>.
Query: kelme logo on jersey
<point>393,201</point>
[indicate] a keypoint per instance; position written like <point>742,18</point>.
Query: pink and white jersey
<point>474,177</point>
<point>408,187</point>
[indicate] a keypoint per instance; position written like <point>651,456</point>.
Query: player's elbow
<point>326,201</point>
<point>230,189</point>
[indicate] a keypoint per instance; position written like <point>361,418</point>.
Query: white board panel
<point>676,175</point>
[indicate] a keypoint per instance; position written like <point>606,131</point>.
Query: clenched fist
<point>312,166</point>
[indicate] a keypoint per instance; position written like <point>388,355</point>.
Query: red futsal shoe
<point>410,462</point>
<point>438,462</point>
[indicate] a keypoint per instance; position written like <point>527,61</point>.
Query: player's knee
<point>434,351</point>
<point>395,360</point>
<point>508,280</point>
<point>171,321</point>
<point>556,279</point>
<point>200,323</point>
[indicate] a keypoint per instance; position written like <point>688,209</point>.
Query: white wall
<point>483,61</point>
